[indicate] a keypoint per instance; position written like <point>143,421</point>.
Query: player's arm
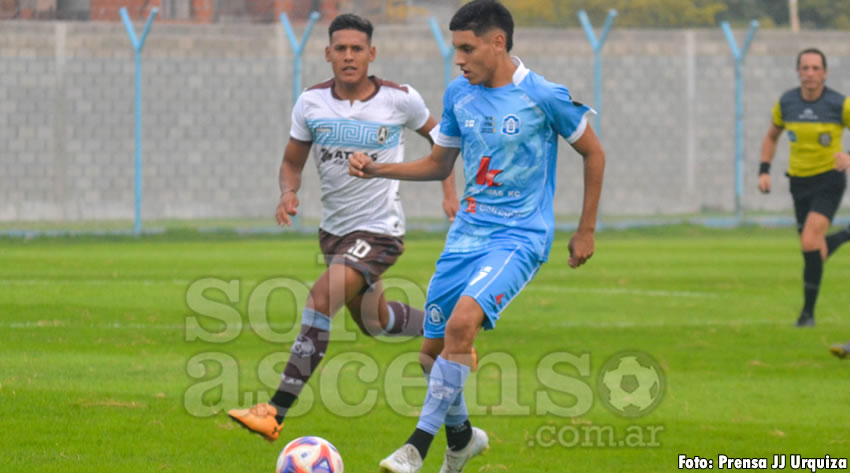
<point>582,243</point>
<point>451,204</point>
<point>768,150</point>
<point>768,146</point>
<point>435,167</point>
<point>294,157</point>
<point>842,159</point>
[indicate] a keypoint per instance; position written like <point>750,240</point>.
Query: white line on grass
<point>283,328</point>
<point>186,282</point>
<point>621,290</point>
<point>91,282</point>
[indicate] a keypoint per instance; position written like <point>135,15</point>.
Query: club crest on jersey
<point>825,139</point>
<point>383,134</point>
<point>510,125</point>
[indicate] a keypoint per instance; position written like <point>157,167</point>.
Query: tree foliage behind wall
<point>814,14</point>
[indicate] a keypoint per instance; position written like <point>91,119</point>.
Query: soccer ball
<point>309,455</point>
<point>631,384</point>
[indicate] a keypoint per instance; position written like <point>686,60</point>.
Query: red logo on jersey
<point>499,299</point>
<point>470,205</point>
<point>486,175</point>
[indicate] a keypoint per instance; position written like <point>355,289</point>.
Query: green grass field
<point>120,355</point>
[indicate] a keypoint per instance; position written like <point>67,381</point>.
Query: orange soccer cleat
<point>258,419</point>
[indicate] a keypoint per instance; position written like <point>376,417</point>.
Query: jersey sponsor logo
<point>493,210</point>
<point>510,125</point>
<point>339,156</point>
<point>485,175</point>
<point>489,125</point>
<point>470,205</point>
<point>809,114</point>
<point>469,123</point>
<point>435,314</point>
<point>825,138</point>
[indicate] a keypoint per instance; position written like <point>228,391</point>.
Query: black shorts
<point>820,193</point>
<point>369,253</point>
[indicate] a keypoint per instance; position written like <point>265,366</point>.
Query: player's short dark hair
<point>812,51</point>
<point>350,21</point>
<point>481,16</point>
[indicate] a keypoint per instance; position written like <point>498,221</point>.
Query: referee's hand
<point>842,161</point>
<point>764,183</point>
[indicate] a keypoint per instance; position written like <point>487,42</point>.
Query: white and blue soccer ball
<point>309,455</point>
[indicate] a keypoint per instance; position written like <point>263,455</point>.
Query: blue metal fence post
<point>138,44</point>
<point>597,45</point>
<point>446,50</point>
<point>297,61</point>
<point>739,55</point>
<point>297,49</point>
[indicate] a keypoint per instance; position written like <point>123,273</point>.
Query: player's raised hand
<point>287,207</point>
<point>581,248</point>
<point>764,182</point>
<point>358,165</point>
<point>842,161</point>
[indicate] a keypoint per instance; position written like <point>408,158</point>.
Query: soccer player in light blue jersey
<point>505,120</point>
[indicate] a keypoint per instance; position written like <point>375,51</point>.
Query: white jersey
<point>337,128</point>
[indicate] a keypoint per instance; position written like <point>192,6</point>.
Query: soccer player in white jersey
<point>362,224</point>
<point>505,121</point>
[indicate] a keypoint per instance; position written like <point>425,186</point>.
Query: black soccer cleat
<point>806,319</point>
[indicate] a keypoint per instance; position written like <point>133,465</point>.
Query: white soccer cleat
<point>404,460</point>
<point>455,460</point>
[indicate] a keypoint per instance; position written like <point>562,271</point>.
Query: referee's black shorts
<point>820,193</point>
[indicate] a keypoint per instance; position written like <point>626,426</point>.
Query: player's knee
<point>319,301</point>
<point>461,333</point>
<point>811,240</point>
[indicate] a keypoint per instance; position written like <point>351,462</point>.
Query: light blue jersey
<point>509,140</point>
<point>508,137</point>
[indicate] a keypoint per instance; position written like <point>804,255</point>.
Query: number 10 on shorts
<point>360,249</point>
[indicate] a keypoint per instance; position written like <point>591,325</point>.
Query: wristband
<point>764,168</point>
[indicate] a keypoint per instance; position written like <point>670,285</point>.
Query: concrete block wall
<point>217,102</point>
